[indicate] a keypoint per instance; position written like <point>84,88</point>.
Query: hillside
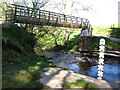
<point>20,65</point>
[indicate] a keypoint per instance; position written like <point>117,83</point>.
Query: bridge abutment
<point>85,40</point>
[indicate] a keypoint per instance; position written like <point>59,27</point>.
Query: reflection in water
<point>84,67</point>
<point>111,72</point>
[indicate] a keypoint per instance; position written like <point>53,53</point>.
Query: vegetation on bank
<point>80,84</point>
<point>48,37</point>
<point>20,65</point>
<point>107,30</point>
<point>109,44</point>
<point>72,43</point>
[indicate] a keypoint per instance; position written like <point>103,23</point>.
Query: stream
<point>67,61</point>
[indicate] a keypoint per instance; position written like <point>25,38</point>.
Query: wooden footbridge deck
<point>27,15</point>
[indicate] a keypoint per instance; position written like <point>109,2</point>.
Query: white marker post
<point>101,58</point>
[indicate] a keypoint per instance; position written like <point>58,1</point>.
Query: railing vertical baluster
<point>52,17</point>
<point>33,14</point>
<point>6,16</point>
<point>86,22</point>
<point>15,14</point>
<point>59,19</point>
<point>48,17</point>
<point>81,22</point>
<point>76,20</point>
<point>28,13</point>
<point>39,14</point>
<point>24,10</point>
<point>19,11</point>
<point>64,19</point>
<point>56,20</point>
<point>11,15</point>
<point>44,15</point>
<point>71,20</point>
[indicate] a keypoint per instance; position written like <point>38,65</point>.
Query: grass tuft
<point>79,84</point>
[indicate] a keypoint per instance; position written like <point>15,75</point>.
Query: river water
<point>66,61</point>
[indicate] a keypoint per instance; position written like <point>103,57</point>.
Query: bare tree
<point>3,7</point>
<point>35,4</point>
<point>70,6</point>
<point>32,3</point>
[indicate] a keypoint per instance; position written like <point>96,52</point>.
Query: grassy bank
<point>107,30</point>
<point>110,44</point>
<point>20,65</point>
<point>73,44</point>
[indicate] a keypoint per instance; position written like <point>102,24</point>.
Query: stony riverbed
<point>69,61</point>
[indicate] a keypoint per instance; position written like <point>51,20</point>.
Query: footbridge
<point>36,16</point>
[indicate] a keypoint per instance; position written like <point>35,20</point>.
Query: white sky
<point>104,12</point>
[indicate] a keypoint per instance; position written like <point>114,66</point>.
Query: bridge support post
<point>85,41</point>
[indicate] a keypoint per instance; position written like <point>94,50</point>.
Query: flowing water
<point>66,61</point>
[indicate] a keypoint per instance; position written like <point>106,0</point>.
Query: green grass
<point>107,30</point>
<point>79,84</point>
<point>48,40</point>
<point>21,66</point>
<point>110,44</point>
<point>20,69</point>
<point>23,75</point>
<point>73,44</point>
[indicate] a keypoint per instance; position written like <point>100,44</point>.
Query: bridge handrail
<point>17,11</point>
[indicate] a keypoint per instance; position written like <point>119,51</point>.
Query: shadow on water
<point>84,67</point>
